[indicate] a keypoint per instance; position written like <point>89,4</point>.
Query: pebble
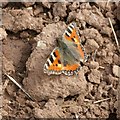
<point>3,34</point>
<point>94,76</point>
<point>105,105</point>
<point>93,44</point>
<point>41,44</point>
<point>116,70</point>
<point>94,65</point>
<point>38,112</point>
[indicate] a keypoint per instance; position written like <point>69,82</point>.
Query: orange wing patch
<point>81,52</point>
<point>72,36</point>
<point>55,61</point>
<point>71,67</point>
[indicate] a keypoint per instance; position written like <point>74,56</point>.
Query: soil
<point>28,36</point>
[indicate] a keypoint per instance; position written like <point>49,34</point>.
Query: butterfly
<point>68,57</point>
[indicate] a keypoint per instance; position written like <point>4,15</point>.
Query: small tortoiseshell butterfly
<point>68,57</point>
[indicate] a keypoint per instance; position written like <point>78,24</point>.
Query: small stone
<point>104,113</point>
<point>105,105</point>
<point>8,65</point>
<point>75,109</point>
<point>89,87</point>
<point>94,76</point>
<point>105,94</point>
<point>103,53</point>
<point>38,10</point>
<point>38,113</point>
<point>72,15</point>
<point>56,19</point>
<point>118,11</point>
<point>24,34</point>
<point>59,10</point>
<point>97,111</point>
<point>47,4</point>
<point>116,70</point>
<point>28,4</point>
<point>94,65</point>
<point>3,34</point>
<point>118,33</point>
<point>116,59</point>
<point>113,92</point>
<point>59,101</point>
<point>4,113</point>
<point>92,44</point>
<point>116,104</point>
<point>74,6</point>
<point>88,114</point>
<point>41,44</point>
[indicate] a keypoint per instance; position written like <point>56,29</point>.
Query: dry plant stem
<point>94,55</point>
<point>68,105</point>
<point>18,85</point>
<point>107,3</point>
<point>101,67</point>
<point>101,100</point>
<point>114,33</point>
<point>77,117</point>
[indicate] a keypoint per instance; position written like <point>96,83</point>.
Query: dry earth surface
<point>29,34</point>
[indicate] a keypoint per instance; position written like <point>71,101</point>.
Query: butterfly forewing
<point>71,33</point>
<point>72,36</point>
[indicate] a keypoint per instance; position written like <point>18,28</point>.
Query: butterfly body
<point>67,56</point>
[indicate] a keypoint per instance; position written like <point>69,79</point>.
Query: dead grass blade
<point>101,100</point>
<point>18,86</point>
<point>116,40</point>
<point>107,3</point>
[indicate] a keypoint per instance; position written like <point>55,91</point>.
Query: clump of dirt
<point>29,35</point>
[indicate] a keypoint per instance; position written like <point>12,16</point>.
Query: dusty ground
<point>24,24</point>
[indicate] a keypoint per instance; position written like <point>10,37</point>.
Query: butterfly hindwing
<point>56,65</point>
<point>53,64</point>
